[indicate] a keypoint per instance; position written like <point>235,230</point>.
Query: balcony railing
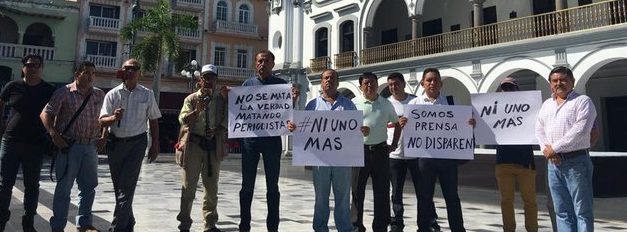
<point>235,27</point>
<point>20,50</point>
<point>346,59</point>
<point>189,33</point>
<point>224,71</point>
<point>103,61</point>
<point>104,23</point>
<point>190,1</point>
<point>569,20</point>
<point>319,64</point>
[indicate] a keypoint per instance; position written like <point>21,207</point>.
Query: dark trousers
<point>13,155</point>
<point>270,150</point>
<point>376,165</point>
<point>398,172</point>
<point>445,170</point>
<point>125,161</point>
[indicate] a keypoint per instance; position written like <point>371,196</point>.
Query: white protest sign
<point>259,111</point>
<point>506,117</point>
<point>328,138</point>
<point>438,131</point>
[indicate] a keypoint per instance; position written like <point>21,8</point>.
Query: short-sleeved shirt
<point>198,127</point>
<point>64,104</point>
<point>25,103</point>
<point>271,80</point>
<point>377,114</point>
<point>399,107</point>
<point>139,106</point>
<point>320,104</point>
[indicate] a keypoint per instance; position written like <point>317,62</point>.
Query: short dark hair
<point>267,52</point>
<point>396,76</point>
<point>432,70</point>
<point>329,70</point>
<point>83,65</point>
<point>32,56</point>
<point>562,70</point>
<point>367,75</point>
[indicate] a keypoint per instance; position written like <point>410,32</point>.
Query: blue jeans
<point>80,164</point>
<point>571,189</point>
<point>270,149</point>
<point>13,155</point>
<point>340,179</point>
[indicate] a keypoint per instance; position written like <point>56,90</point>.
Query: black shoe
<point>184,230</point>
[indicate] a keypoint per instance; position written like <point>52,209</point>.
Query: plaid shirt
<point>65,102</point>
<point>566,127</point>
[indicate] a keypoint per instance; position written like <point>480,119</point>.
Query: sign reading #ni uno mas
<point>506,117</point>
<point>328,138</point>
<point>259,111</point>
<point>438,131</point>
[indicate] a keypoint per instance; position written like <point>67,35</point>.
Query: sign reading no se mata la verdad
<point>438,131</point>
<point>328,138</point>
<point>259,111</point>
<point>506,117</point>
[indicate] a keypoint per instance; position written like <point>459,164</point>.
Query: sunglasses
<point>509,87</point>
<point>32,65</point>
<point>131,68</point>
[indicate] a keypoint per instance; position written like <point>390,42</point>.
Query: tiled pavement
<point>157,201</point>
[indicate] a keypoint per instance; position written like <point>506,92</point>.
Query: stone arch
<point>593,61</point>
<point>38,34</point>
<point>348,86</point>
<point>10,32</point>
<point>509,66</point>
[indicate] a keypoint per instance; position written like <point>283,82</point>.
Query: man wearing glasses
<point>126,110</point>
<point>22,138</point>
<point>204,119</point>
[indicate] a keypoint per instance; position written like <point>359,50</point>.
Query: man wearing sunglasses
<point>126,111</point>
<point>204,118</point>
<point>22,138</point>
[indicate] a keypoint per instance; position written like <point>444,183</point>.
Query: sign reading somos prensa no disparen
<point>506,117</point>
<point>328,138</point>
<point>438,131</point>
<point>259,111</point>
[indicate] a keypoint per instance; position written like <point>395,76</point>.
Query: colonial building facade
<point>475,44</point>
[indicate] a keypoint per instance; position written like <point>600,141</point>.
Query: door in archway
<point>616,112</point>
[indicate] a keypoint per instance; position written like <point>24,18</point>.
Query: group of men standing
<point>80,118</point>
<point>77,119</point>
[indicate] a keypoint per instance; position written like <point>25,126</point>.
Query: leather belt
<point>129,139</point>
<point>372,147</point>
<point>572,154</point>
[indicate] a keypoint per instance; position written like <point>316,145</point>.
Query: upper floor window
<point>322,39</point>
<point>242,58</point>
<point>219,56</point>
<point>244,14</point>
<point>104,11</point>
<point>221,11</point>
<point>348,36</point>
<point>101,48</point>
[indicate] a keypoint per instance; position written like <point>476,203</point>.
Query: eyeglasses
<point>32,65</point>
<point>509,87</point>
<point>131,68</point>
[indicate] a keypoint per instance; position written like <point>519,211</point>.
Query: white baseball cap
<point>209,68</point>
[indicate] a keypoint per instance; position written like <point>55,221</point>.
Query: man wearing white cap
<point>201,148</point>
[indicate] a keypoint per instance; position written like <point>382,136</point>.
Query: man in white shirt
<point>127,110</point>
<point>563,131</point>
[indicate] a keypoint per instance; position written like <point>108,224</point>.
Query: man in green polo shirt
<point>377,112</point>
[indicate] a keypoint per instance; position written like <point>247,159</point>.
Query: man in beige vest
<point>202,147</point>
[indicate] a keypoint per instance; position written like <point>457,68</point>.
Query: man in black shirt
<point>515,164</point>
<point>22,140</point>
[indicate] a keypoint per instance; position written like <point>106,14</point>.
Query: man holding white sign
<point>269,147</point>
<point>338,176</point>
<point>377,112</point>
<point>440,122</point>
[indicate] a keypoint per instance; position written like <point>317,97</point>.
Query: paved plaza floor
<point>157,196</point>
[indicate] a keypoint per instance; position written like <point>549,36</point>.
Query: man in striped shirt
<point>563,131</point>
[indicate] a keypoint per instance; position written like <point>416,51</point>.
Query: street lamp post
<point>135,9</point>
<point>191,72</point>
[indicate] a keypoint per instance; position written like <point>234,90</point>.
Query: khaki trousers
<point>506,176</point>
<point>197,163</point>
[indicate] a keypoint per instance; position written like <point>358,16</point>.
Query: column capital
<point>476,2</point>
